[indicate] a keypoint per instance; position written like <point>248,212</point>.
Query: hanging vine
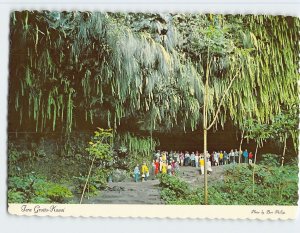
<point>102,68</point>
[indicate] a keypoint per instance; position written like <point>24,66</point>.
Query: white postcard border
<point>150,211</point>
<point>157,211</point>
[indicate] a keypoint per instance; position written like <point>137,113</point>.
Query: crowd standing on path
<point>165,162</point>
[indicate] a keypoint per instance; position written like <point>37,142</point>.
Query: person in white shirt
<point>231,156</point>
<point>169,169</point>
<point>236,155</point>
<point>186,158</point>
<point>197,159</point>
<point>157,155</point>
<point>209,168</point>
<point>193,159</point>
<point>216,158</point>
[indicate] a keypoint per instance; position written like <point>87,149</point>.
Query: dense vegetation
<point>33,189</point>
<point>274,185</point>
<point>140,74</point>
<point>104,68</point>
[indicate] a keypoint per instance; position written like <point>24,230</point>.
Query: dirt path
<point>192,175</point>
<point>148,192</point>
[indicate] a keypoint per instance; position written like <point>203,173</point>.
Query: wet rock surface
<point>148,192</point>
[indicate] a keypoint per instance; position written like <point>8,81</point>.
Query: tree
<point>258,132</point>
<point>236,61</point>
<point>284,125</point>
<point>101,154</point>
<point>221,60</point>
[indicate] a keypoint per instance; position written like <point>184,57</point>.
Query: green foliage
<point>100,151</point>
<point>285,125</point>
<point>100,146</point>
<point>17,156</point>
<point>133,149</point>
<point>270,160</point>
<point>172,182</point>
<point>257,131</point>
<point>136,144</point>
<point>148,67</point>
<point>274,185</point>
<point>178,192</point>
<point>15,196</point>
<point>97,181</point>
<point>13,154</point>
<point>55,192</point>
<point>285,122</point>
<point>40,200</point>
<point>33,189</point>
<point>14,158</point>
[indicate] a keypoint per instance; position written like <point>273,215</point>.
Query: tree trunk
<point>253,181</point>
<point>205,102</point>
<point>87,180</point>
<point>205,148</point>
<point>284,149</point>
<point>206,127</point>
<point>205,168</point>
<point>241,142</point>
<point>151,142</point>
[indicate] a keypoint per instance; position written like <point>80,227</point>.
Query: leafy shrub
<point>274,185</point>
<point>19,157</point>
<point>100,147</point>
<point>101,156</point>
<point>40,200</point>
<point>55,192</point>
<point>15,196</point>
<point>34,189</point>
<point>15,156</point>
<point>178,192</point>
<point>18,186</point>
<point>97,181</point>
<point>270,160</point>
<point>174,183</point>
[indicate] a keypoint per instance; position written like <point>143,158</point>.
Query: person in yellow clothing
<point>145,172</point>
<point>202,164</point>
<point>164,157</point>
<point>221,158</point>
<point>164,168</point>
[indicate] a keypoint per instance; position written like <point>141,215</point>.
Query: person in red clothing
<point>250,157</point>
<point>173,167</point>
<point>156,167</point>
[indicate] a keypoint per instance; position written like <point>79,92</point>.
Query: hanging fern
<point>106,67</point>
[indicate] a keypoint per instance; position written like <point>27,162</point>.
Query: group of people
<point>234,156</point>
<point>157,166</point>
<point>174,160</point>
<point>194,159</point>
<point>144,171</point>
<point>170,162</point>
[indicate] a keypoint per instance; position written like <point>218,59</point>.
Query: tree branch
<point>221,101</point>
<point>87,180</point>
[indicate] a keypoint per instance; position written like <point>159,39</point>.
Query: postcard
<point>135,114</point>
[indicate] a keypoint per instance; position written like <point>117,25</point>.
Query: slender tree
<point>284,125</point>
<point>259,133</point>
